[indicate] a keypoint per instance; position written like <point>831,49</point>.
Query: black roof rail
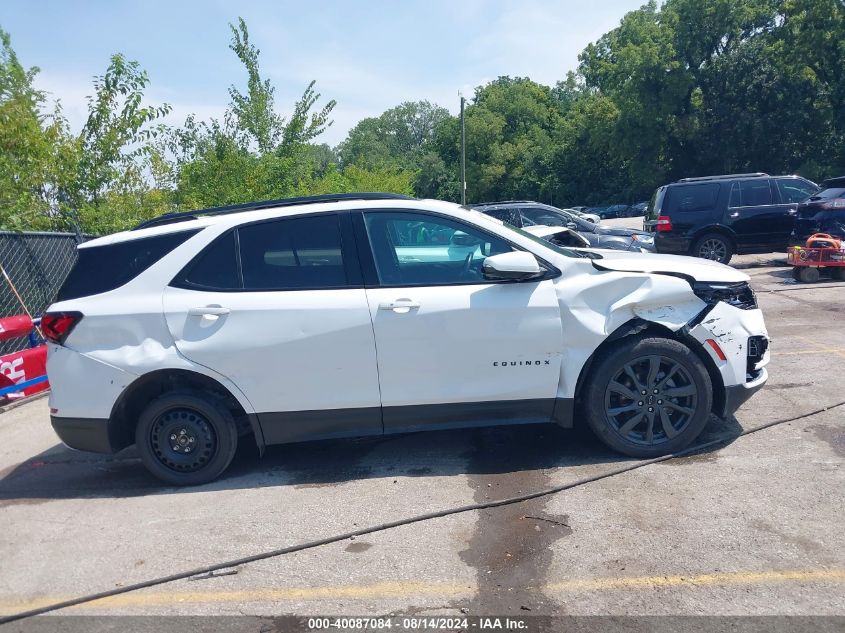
<point>184,216</point>
<point>757,174</point>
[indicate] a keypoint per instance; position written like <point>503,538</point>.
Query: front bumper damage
<point>742,338</point>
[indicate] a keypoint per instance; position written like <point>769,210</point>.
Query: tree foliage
<point>684,88</point>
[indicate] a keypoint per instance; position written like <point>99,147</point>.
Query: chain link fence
<point>37,264</point>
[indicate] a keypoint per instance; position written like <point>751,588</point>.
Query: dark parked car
<point>522,214</point>
<point>616,211</point>
<point>717,216</point>
<point>638,209</point>
<point>823,212</point>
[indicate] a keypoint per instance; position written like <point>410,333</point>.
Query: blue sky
<point>367,55</point>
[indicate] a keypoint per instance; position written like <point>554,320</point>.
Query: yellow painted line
<point>820,346</point>
<point>411,589</point>
<point>723,579</point>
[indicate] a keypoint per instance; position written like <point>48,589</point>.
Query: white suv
<point>364,314</point>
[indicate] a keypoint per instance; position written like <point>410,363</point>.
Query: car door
<point>279,308</point>
<point>455,349</point>
<point>756,216</point>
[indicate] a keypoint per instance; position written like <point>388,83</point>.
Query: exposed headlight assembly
<point>738,295</point>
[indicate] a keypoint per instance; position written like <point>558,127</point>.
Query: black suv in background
<point>823,212</point>
<point>717,216</point>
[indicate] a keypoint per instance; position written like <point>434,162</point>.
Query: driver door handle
<point>735,214</point>
<point>399,305</point>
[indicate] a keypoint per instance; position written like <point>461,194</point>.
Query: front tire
<point>715,247</point>
<point>186,437</point>
<point>647,396</point>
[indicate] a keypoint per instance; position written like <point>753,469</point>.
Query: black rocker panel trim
<point>298,426</point>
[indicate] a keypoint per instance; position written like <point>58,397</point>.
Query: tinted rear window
<point>829,194</point>
<point>691,197</point>
<point>755,193</point>
<point>655,205</point>
<point>103,268</point>
<point>292,253</point>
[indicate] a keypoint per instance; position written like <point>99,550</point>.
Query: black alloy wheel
<point>646,396</point>
<point>651,400</point>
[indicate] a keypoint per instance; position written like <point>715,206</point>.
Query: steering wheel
<point>467,265</point>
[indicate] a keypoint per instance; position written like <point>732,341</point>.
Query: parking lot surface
<point>751,526</point>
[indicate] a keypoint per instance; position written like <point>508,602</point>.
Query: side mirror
<point>513,265</point>
<point>571,226</point>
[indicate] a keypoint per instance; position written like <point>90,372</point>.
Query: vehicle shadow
<point>60,473</point>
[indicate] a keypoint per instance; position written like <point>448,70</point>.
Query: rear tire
<point>647,424</point>
<point>715,247</point>
<point>186,437</point>
<point>837,273</point>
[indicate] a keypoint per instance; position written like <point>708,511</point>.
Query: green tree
<point>32,146</point>
<point>401,135</point>
<point>254,153</point>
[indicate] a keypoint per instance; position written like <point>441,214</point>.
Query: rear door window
<point>691,198</point>
<point>104,268</point>
<point>293,254</point>
<point>756,193</point>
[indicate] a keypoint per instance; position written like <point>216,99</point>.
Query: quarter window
<point>690,198</point>
<point>216,268</point>
<point>416,249</point>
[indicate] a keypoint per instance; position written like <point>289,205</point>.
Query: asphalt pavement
<point>752,526</point>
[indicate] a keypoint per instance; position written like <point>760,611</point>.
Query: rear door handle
<point>735,214</point>
<point>400,305</point>
<point>215,311</point>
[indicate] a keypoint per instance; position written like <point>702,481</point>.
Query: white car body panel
<point>456,345</point>
<point>287,351</point>
<point>320,350</point>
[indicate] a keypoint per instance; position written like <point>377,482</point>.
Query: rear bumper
<point>84,434</point>
<point>737,395</point>
<point>664,243</point>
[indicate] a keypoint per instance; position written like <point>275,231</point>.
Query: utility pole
<point>463,155</point>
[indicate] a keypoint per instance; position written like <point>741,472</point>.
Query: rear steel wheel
<point>186,437</point>
<point>183,440</point>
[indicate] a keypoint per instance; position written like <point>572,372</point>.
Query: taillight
<point>664,223</point>
<point>57,325</point>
